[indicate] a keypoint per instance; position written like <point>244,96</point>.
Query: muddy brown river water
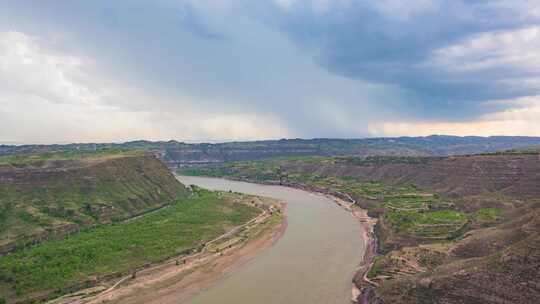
<point>313,262</point>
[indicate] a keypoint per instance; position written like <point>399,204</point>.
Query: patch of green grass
<point>211,172</point>
<point>411,201</point>
<point>487,214</point>
<point>441,223</point>
<point>381,160</point>
<point>119,247</point>
<point>25,159</point>
<point>377,268</point>
<point>27,217</point>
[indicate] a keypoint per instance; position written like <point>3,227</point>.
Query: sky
<point>201,70</point>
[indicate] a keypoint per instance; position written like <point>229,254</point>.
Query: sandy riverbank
<point>179,279</point>
<point>360,281</point>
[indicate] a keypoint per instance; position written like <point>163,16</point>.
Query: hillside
<point>514,175</point>
<point>460,229</point>
<point>96,259</point>
<point>497,264</point>
<point>489,175</point>
<point>46,196</point>
<point>80,222</point>
<point>178,153</point>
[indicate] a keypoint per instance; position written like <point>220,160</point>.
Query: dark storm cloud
<point>393,42</point>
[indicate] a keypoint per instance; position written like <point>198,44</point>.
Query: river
<point>313,262</point>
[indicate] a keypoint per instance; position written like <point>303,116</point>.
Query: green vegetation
<point>488,214</point>
<point>524,151</point>
<point>37,158</point>
<point>47,199</point>
<point>271,169</point>
<point>382,160</point>
<point>435,224</point>
<point>211,172</point>
<point>410,201</point>
<point>119,247</point>
<point>377,267</point>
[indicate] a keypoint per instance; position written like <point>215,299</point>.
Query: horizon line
<point>223,141</point>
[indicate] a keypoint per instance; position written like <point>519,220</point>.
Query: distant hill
<point>178,153</point>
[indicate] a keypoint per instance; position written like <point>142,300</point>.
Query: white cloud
<point>318,6</point>
<point>243,126</point>
<point>517,49</point>
<point>29,70</point>
<point>51,97</point>
<point>404,10</point>
<point>285,4</point>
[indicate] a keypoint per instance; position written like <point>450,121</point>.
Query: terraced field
<point>442,224</point>
<point>409,212</point>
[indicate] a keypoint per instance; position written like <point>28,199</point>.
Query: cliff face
<point>48,198</point>
<point>515,175</point>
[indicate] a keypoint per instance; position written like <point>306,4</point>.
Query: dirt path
<point>361,287</point>
<point>178,279</point>
<point>177,286</point>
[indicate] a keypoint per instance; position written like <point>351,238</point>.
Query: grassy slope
<point>47,195</point>
<point>117,248</point>
<point>29,159</point>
